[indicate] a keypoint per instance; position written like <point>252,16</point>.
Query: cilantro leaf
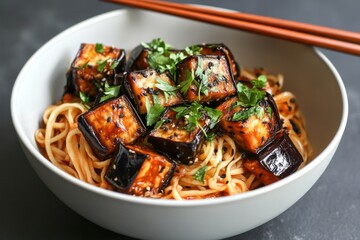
<point>114,63</point>
<point>101,65</point>
<point>99,48</point>
<point>185,85</point>
<point>153,111</point>
<point>157,45</point>
<point>210,136</point>
<point>249,98</point>
<point>200,174</point>
<point>193,50</point>
<point>161,56</point>
<point>214,114</point>
<point>85,99</point>
<point>260,82</point>
<point>194,113</point>
<point>110,92</point>
<point>165,86</point>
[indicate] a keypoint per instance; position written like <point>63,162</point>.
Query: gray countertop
<point>28,210</point>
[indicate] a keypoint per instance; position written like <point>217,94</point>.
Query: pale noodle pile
<point>66,148</point>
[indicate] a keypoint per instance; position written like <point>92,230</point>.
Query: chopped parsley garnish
<point>99,48</point>
<point>109,91</point>
<point>101,65</point>
<point>114,64</point>
<point>85,99</point>
<point>153,111</point>
<point>163,57</point>
<point>157,45</point>
<point>185,85</point>
<point>203,76</point>
<point>193,50</point>
<point>249,98</point>
<point>200,174</point>
<point>194,113</point>
<point>210,136</point>
<point>166,88</point>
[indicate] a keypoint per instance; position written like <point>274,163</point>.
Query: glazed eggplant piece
<point>138,59</point>
<point>139,171</point>
<point>93,65</point>
<point>220,49</point>
<point>280,156</point>
<point>205,78</point>
<point>254,131</point>
<point>277,160</point>
<point>174,140</point>
<point>146,85</point>
<point>108,124</point>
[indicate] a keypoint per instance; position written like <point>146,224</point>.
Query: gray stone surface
<point>28,210</point>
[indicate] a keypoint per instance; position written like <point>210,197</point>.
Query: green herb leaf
<point>185,85</point>
<point>101,65</point>
<point>159,123</point>
<point>269,111</point>
<point>110,92</point>
<point>193,114</point>
<point>214,114</point>
<point>210,136</point>
<point>260,82</point>
<point>99,48</point>
<point>193,50</point>
<point>165,86</point>
<point>246,113</point>
<point>114,64</point>
<point>153,111</point>
<point>200,174</point>
<point>84,99</point>
<point>157,45</point>
<point>162,57</point>
<point>249,98</point>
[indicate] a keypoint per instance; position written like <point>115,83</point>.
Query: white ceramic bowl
<point>317,85</point>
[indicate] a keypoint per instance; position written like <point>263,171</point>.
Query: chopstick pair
<point>334,39</point>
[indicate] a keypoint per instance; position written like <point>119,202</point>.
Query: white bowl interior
<point>309,75</point>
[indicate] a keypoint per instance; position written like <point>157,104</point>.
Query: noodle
<point>66,148</point>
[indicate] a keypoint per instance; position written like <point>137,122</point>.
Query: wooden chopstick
<point>275,22</point>
<point>229,20</point>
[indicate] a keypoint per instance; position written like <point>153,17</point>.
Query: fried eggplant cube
<point>138,170</point>
<point>108,124</point>
<point>280,157</point>
<point>205,78</point>
<point>94,64</point>
<point>252,132</point>
<point>174,140</point>
<point>221,49</point>
<point>138,59</point>
<point>148,85</point>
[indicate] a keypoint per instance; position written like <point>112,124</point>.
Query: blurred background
<point>28,210</point>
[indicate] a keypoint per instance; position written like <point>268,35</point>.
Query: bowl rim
<point>162,202</point>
